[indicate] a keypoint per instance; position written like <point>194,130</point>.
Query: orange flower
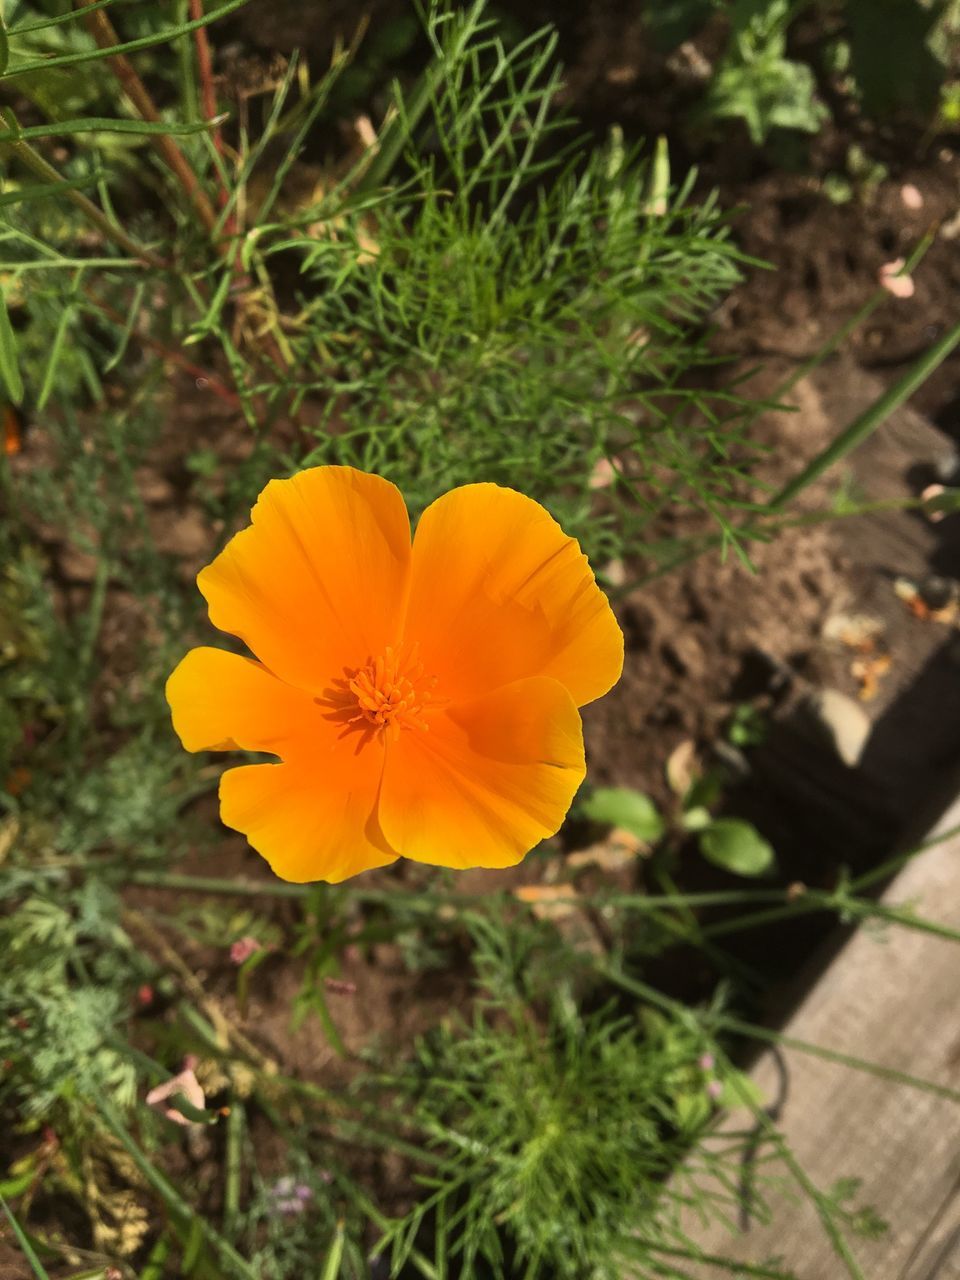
<point>422,699</point>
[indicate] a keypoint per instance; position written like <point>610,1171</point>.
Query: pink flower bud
<point>243,949</point>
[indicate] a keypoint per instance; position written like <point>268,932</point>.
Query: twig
<point>102,30</point>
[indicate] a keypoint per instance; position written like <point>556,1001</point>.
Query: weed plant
<point>471,291</point>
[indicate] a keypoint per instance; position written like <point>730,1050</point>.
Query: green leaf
<point>704,792</point>
<point>4,46</point>
<point>331,1267</point>
<point>106,124</point>
<point>128,46</point>
<point>756,82</point>
<point>631,810</point>
<point>696,818</point>
<point>736,846</point>
<point>693,1111</point>
<point>738,1087</point>
<point>43,190</point>
<point>9,363</point>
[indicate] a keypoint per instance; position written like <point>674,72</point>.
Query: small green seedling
<point>731,843</point>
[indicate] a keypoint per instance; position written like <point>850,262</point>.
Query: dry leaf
<point>619,850</point>
<point>682,767</point>
<point>868,672</point>
<point>548,901</point>
<point>857,631</point>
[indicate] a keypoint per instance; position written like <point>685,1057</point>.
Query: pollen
<point>392,692</point>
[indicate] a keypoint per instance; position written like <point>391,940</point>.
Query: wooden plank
<point>890,997</point>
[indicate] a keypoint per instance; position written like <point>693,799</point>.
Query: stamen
<point>392,692</point>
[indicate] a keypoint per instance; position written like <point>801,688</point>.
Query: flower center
<point>392,692</point>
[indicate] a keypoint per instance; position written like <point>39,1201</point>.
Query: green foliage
<point>730,843</point>
<point>291,1243</point>
<point>557,1140</point>
<point>736,846</point>
<point>862,1220</point>
<point>59,1018</point>
<point>570,334</point>
<point>747,727</point>
<point>622,807</point>
<point>756,81</point>
<point>892,56</point>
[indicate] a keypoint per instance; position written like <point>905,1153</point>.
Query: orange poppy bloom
<point>421,697</point>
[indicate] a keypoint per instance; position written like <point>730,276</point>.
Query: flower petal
<point>317,583</point>
<point>499,592</point>
<point>312,819</point>
<point>221,701</point>
<point>488,780</point>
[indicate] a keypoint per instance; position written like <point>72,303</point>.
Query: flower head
<point>289,1197</point>
<point>421,696</point>
<point>244,948</point>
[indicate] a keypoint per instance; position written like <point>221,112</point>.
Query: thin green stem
<point>895,864</point>
<point>867,422</point>
<point>713,1260</point>
<point>819,1201</point>
<point>36,1266</point>
<point>750,1030</point>
<point>169,1194</point>
<point>843,905</point>
<point>233,1166</point>
<point>127,46</point>
<point>879,296</point>
<point>32,160</point>
<point>420,899</point>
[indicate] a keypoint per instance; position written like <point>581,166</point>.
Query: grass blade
<point>66,318</point>
<point>98,124</point>
<point>332,1267</point>
<point>9,362</point>
<point>128,46</point>
<point>43,190</point>
<point>41,24</point>
<point>23,1241</point>
<point>174,1201</point>
<point>867,422</point>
